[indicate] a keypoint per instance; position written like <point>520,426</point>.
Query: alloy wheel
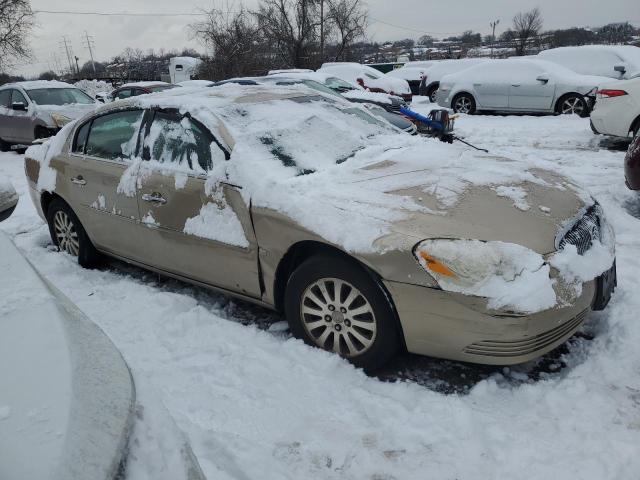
<point>66,234</point>
<point>572,105</point>
<point>462,105</point>
<point>338,317</point>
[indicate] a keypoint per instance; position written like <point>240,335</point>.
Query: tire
<point>68,234</point>
<point>4,146</point>
<point>432,93</point>
<point>572,104</point>
<point>41,132</point>
<point>464,103</point>
<point>369,338</point>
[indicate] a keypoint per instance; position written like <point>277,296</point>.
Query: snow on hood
<point>372,78</point>
<point>72,110</point>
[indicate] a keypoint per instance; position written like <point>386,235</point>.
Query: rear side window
<point>114,136</point>
<point>81,138</point>
<point>5,97</point>
<point>17,97</point>
<point>126,93</point>
<point>183,142</point>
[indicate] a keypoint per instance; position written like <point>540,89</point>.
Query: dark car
<point>139,88</point>
<point>632,164</point>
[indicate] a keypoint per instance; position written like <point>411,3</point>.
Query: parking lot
<point>227,378</point>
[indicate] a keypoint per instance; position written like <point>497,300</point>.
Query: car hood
<point>526,211</point>
<point>72,111</point>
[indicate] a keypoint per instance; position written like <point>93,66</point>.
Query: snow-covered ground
<point>254,403</point>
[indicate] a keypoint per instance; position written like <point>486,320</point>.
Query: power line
<point>122,14</point>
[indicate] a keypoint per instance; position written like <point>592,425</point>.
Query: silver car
<point>38,109</point>
<point>518,85</point>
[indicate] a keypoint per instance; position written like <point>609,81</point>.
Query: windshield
<point>338,84</point>
<point>59,96</point>
<point>305,134</point>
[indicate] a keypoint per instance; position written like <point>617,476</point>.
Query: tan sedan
<point>368,240</point>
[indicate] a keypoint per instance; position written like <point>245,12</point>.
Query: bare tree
<point>348,19</point>
<point>16,22</point>
<point>234,41</point>
<point>293,29</point>
<point>526,26</point>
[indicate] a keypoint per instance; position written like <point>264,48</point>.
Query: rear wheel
<point>334,304</point>
<point>68,234</point>
<point>432,94</point>
<point>464,103</point>
<point>572,104</point>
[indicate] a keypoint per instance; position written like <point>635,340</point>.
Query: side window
<point>5,97</point>
<point>181,141</point>
<point>81,138</point>
<point>135,92</point>
<point>17,97</point>
<point>126,93</point>
<point>114,136</point>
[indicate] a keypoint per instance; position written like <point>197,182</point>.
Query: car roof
<point>37,84</point>
<point>145,84</point>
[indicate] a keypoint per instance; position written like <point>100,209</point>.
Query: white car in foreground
<point>617,109</point>
<point>368,78</point>
<point>518,85</point>
<point>620,62</point>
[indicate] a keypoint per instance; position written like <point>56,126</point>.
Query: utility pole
<point>90,43</point>
<point>322,31</point>
<point>68,53</point>
<point>493,34</point>
<point>77,66</point>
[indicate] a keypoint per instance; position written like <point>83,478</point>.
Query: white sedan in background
<point>518,85</point>
<point>368,78</point>
<point>617,109</point>
<point>620,62</point>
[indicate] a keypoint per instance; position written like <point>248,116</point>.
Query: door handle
<point>515,84</point>
<point>154,198</point>
<point>79,180</point>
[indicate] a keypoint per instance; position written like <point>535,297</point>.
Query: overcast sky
<point>388,20</point>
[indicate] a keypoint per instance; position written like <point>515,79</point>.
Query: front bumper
<point>458,327</point>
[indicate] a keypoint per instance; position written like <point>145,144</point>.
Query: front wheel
<point>334,304</point>
<point>572,104</point>
<point>68,234</point>
<point>433,95</point>
<point>464,103</point>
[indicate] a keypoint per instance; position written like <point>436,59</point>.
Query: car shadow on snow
<point>443,376</point>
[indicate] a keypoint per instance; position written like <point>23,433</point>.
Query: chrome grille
<point>584,232</point>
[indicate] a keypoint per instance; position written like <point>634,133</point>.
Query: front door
<point>194,226</point>
<point>100,180</point>
<point>527,93</point>
<point>491,90</point>
<point>21,120</point>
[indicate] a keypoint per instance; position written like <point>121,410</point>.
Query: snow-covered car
<point>617,108</point>
<point>613,61</point>
<point>103,97</point>
<point>518,85</point>
<point>38,109</point>
<point>370,241</point>
<point>8,199</point>
<point>430,80</point>
<point>413,75</point>
<point>133,89</point>
<point>68,398</point>
<point>196,83</point>
<point>368,78</point>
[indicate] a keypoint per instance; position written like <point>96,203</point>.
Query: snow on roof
<point>144,84</point>
<point>35,84</point>
<point>290,70</point>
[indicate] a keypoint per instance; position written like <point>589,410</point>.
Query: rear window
<point>5,97</point>
<point>114,136</point>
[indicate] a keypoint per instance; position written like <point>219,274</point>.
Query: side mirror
<point>621,69</point>
<point>20,106</point>
<point>543,78</point>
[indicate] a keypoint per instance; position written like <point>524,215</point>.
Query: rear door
<point>100,179</point>
<point>527,93</point>
<point>194,226</point>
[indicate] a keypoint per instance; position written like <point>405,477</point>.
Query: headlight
<point>60,120</point>
<point>511,277</point>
